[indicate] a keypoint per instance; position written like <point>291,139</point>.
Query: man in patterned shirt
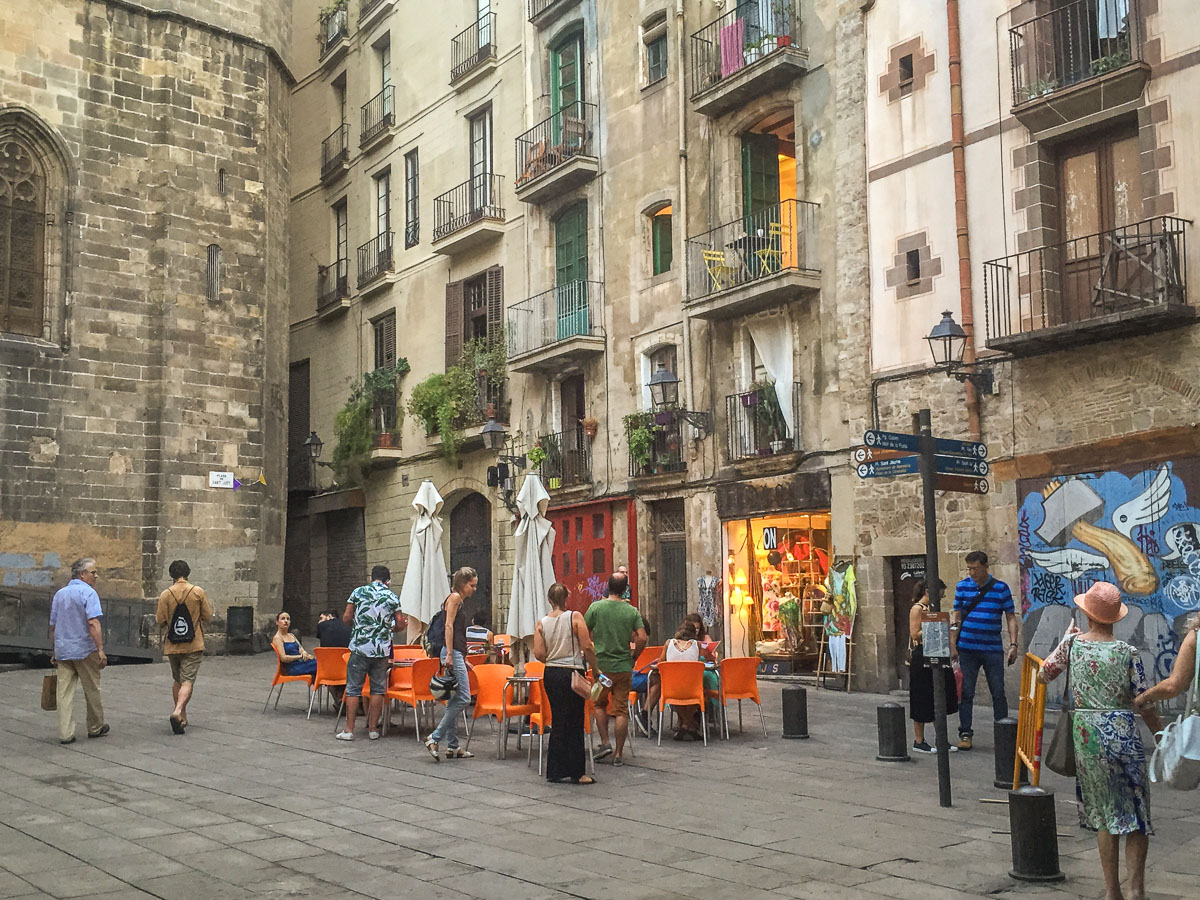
<point>371,611</point>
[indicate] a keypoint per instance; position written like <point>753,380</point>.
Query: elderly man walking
<point>182,611</point>
<point>78,650</point>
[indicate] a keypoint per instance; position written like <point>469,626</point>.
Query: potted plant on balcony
<point>442,402</point>
<point>639,435</point>
<point>590,426</point>
<point>553,467</point>
<point>368,420</point>
<point>770,417</point>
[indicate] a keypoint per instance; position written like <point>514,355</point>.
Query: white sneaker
<point>372,735</point>
<point>344,736</point>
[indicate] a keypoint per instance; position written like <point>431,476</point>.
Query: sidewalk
<point>254,805</point>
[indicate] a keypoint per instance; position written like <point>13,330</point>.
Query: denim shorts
<point>360,667</point>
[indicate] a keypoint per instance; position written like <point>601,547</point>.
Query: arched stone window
<point>34,178</point>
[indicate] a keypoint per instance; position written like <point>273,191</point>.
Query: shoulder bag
<point>1176,759</point>
<point>579,684</point>
<point>1060,757</point>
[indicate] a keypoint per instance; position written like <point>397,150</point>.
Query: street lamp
<point>313,445</point>
<point>495,438</point>
<point>947,343</point>
<point>664,394</point>
<point>494,435</point>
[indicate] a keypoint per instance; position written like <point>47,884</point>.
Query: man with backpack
<point>182,611</point>
<point>980,602</point>
<point>372,611</point>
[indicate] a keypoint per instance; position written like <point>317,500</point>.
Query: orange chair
<point>411,687</point>
<point>495,700</point>
<point>331,672</point>
<point>476,659</point>
<point>539,720</point>
<point>645,658</point>
<point>280,680</point>
<point>408,653</point>
<point>535,668</point>
<point>739,681</point>
<point>682,685</point>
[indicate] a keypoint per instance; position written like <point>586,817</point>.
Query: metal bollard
<point>893,733</point>
<point>795,712</point>
<point>1005,740</point>
<point>1034,835</point>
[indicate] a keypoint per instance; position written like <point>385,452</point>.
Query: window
<point>221,182</point>
<point>571,246</point>
<point>383,62</point>
<point>667,356</point>
<point>654,53</point>
<point>566,83</point>
<point>341,236</point>
<point>906,75</point>
<point>474,311</point>
<point>480,126</point>
<point>412,217</point>
<point>383,202</point>
<point>912,266</point>
<point>22,240</point>
<point>212,275</point>
<point>339,99</point>
<point>475,308</point>
<point>660,237</point>
<point>385,340</point>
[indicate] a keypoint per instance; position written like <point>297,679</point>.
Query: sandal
<point>459,753</point>
<point>430,745</point>
<point>585,779</point>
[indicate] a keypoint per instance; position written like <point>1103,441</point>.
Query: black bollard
<point>1005,741</point>
<point>893,733</point>
<point>795,712</point>
<point>1034,835</point>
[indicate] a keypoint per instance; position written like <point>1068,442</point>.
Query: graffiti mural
<point>1135,527</point>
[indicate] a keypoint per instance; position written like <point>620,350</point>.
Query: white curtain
<point>773,347</point>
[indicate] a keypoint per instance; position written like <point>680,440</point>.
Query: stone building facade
<point>145,259</point>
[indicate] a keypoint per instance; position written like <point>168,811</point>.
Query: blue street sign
<point>892,440</point>
<point>903,465</point>
<point>960,465</point>
<point>951,447</point>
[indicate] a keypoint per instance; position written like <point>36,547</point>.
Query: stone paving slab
<point>253,805</point>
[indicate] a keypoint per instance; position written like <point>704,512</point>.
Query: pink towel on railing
<point>733,39</point>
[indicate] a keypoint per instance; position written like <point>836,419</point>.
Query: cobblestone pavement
<point>254,805</point>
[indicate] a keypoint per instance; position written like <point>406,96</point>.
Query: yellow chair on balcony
<point>719,272</point>
<point>770,257</point>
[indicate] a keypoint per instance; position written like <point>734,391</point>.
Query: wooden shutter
<point>495,302</point>
<point>570,245</point>
<point>385,341</point>
<point>760,172</point>
<point>454,323</point>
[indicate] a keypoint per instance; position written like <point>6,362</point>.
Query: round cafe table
<point>520,691</point>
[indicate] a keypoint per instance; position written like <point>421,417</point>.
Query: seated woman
<point>296,660</point>
<point>682,648</point>
<point>708,650</point>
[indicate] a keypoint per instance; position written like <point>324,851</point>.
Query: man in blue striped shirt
<point>980,601</point>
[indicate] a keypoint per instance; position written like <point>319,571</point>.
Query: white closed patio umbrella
<point>426,583</point>
<point>533,572</point>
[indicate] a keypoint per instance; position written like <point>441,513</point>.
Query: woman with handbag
<point>921,674</point>
<point>1104,677</point>
<point>561,640</point>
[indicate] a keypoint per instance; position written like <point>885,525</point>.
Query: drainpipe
<point>958,149</point>
<point>681,109</point>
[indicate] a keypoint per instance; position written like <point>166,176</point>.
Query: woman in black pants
<point>921,675</point>
<point>561,640</point>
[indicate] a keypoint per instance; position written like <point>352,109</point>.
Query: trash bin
<point>239,629</point>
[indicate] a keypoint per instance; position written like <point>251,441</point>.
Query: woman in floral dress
<point>1112,783</point>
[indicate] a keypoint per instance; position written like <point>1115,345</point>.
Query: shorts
<point>641,682</point>
<point>185,666</point>
<point>618,695</point>
<point>360,667</point>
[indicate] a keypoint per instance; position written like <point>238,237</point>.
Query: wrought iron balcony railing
<point>1073,44</point>
<point>366,7</point>
<point>378,115</point>
<point>559,314</point>
<point>476,198</point>
<point>334,150</point>
<point>1136,268</point>
<point>756,424</point>
<point>333,283</point>
<point>375,257</point>
<point>537,7</point>
<point>778,239</point>
<point>547,145</point>
<point>473,46</point>
<point>740,38</point>
<point>568,459</point>
<point>665,451</point>
<point>334,27</point>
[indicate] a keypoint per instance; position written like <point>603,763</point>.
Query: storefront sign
<point>745,499</point>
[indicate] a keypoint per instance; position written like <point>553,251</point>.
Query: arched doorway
<point>471,545</point>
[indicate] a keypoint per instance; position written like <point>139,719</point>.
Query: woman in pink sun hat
<point>1111,783</point>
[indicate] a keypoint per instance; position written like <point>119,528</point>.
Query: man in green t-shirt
<point>614,623</point>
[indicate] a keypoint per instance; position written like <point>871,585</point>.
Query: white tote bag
<point>1176,759</point>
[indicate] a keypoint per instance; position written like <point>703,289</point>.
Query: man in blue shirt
<point>980,601</point>
<point>78,650</point>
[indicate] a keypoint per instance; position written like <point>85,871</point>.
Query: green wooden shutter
<point>571,272</point>
<point>760,173</point>
<point>663,249</point>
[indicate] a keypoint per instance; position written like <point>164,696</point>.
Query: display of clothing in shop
<point>837,652</point>
<point>707,607</point>
<point>840,586</point>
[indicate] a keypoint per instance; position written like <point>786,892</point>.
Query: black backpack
<point>181,629</point>
<point>434,639</point>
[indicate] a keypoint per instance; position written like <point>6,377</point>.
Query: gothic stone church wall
<point>155,139</point>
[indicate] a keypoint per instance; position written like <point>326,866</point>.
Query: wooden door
<point>571,272</point>
<point>583,552</point>
<point>571,397</point>
<point>471,545</point>
<point>671,539</point>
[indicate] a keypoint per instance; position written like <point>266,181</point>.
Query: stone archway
<point>470,542</point>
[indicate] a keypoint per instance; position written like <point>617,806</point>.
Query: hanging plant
<point>442,402</point>
<point>639,435</point>
<point>374,400</point>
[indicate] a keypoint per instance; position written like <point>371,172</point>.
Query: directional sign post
<point>960,465</point>
<point>904,465</point>
<point>963,484</point>
<point>891,440</point>
<point>870,454</point>
<point>951,447</point>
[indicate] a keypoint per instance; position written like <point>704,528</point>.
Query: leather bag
<point>579,684</point>
<point>1060,757</point>
<point>1176,759</point>
<point>49,692</point>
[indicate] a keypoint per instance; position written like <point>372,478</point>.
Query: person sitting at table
<point>478,631</point>
<point>295,659</point>
<point>682,648</point>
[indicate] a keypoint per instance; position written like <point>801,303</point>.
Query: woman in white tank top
<point>561,640</point>
<point>682,648</point>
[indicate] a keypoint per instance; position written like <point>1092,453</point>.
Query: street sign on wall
<point>871,454</point>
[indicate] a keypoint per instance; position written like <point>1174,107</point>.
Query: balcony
<point>335,29</point>
<point>473,52</point>
<point>756,425</point>
<point>560,328</point>
<point>335,153</point>
<point>665,451</point>
<point>468,216</point>
<point>333,288</point>
<point>1118,283</point>
<point>378,117</point>
<point>376,258</point>
<point>744,54</point>
<point>371,11</point>
<point>546,12</point>
<point>753,263</point>
<point>1077,61</point>
<point>568,461</point>
<point>557,155</point>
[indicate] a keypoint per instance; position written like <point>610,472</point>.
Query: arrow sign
<point>951,447</point>
<point>870,454</point>
<point>905,465</point>
<point>962,484</point>
<point>236,484</point>
<point>891,440</point>
<point>960,465</point>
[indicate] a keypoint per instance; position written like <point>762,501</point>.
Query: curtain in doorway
<point>773,346</point>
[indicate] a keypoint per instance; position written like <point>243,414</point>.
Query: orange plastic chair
<point>645,658</point>
<point>280,680</point>
<point>408,653</point>
<point>739,681</point>
<point>682,685</point>
<point>476,659</point>
<point>331,672</point>
<point>495,700</point>
<point>535,668</point>
<point>539,720</point>
<point>411,687</point>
